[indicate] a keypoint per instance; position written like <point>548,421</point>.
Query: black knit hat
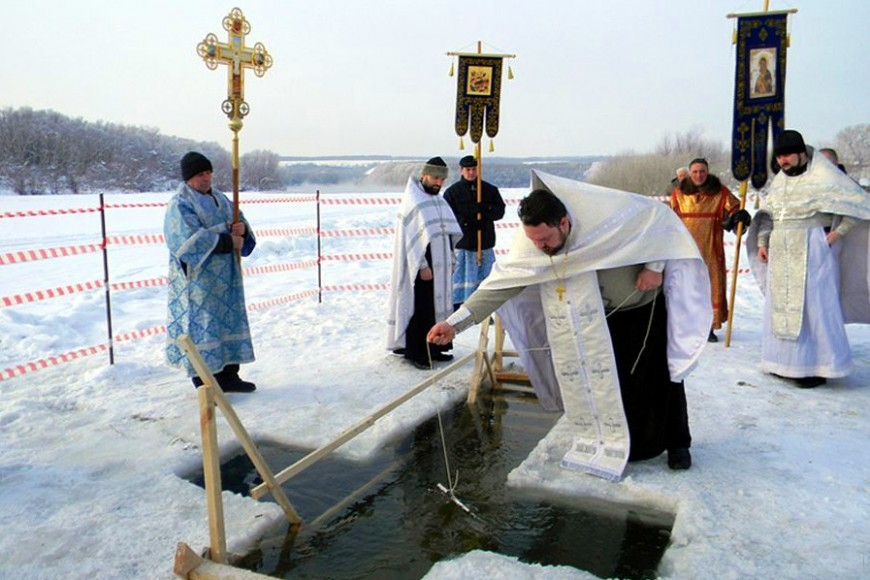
<point>468,161</point>
<point>435,167</point>
<point>788,142</point>
<point>194,163</point>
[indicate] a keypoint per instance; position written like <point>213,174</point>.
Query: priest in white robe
<point>808,247</point>
<point>421,285</point>
<point>614,315</point>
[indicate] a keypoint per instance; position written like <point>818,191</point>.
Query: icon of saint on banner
<point>762,71</point>
<point>479,81</point>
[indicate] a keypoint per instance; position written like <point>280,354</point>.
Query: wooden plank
<point>185,560</point>
<point>489,371</point>
<point>513,377</point>
<point>517,389</point>
<point>211,470</point>
<point>359,427</point>
<point>190,565</point>
<point>238,428</point>
<point>477,374</point>
<point>499,344</point>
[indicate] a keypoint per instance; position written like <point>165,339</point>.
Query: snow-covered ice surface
<point>93,455</point>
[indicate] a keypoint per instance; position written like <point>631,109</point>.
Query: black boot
<point>679,459</point>
<point>230,381</point>
<point>810,382</point>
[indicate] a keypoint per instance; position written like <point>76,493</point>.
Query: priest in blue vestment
<point>206,295</point>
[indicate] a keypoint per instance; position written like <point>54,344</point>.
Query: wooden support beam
<point>238,428</point>
<point>499,354</point>
<point>358,428</point>
<point>190,565</point>
<point>480,356</point>
<point>211,470</point>
<point>512,377</point>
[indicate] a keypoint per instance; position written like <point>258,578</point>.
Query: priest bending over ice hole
<point>607,300</point>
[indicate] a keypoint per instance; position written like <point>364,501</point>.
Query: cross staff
<point>237,56</point>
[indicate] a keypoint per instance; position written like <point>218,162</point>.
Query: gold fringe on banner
<point>491,146</point>
<point>451,68</point>
<point>510,73</point>
<point>461,144</point>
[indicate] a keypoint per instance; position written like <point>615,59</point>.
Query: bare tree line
<point>44,152</point>
<point>650,173</point>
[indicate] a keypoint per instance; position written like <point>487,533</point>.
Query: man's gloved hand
<point>741,216</point>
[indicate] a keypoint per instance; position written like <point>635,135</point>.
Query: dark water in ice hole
<point>386,519</point>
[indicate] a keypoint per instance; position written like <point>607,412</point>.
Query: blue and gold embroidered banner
<point>478,91</point>
<point>759,92</point>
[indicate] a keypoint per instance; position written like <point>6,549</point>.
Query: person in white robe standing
<point>421,284</point>
<point>612,312</point>
<point>808,247</point>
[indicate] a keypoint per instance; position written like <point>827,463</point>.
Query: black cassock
<point>654,406</point>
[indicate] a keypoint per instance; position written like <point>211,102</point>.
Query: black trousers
<point>655,407</point>
<point>421,322</point>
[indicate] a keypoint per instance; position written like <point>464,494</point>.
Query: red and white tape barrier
<point>135,240</point>
<point>48,212</point>
<point>282,300</point>
<point>51,361</point>
<point>357,232</point>
<point>39,295</point>
<point>47,253</point>
<point>358,257</point>
<point>361,200</point>
<point>355,287</point>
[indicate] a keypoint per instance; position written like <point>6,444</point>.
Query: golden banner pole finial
<point>237,56</point>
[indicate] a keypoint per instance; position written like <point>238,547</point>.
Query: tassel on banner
<point>451,68</point>
<point>491,146</point>
<point>510,73</point>
<point>461,144</point>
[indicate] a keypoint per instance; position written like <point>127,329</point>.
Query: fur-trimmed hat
<point>435,167</point>
<point>194,163</point>
<point>788,142</point>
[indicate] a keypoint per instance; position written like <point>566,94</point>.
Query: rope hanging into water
<point>449,491</point>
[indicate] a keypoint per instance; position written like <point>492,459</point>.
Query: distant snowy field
<point>91,455</point>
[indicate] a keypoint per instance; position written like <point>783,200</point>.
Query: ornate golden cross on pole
<point>237,56</point>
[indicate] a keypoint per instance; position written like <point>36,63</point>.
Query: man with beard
<point>476,218</point>
<point>707,208</point>
<point>604,294</point>
<point>809,245</point>
<point>421,285</point>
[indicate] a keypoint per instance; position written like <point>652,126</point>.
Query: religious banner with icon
<point>478,90</point>
<point>759,92</point>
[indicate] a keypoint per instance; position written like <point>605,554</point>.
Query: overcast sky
<point>355,77</point>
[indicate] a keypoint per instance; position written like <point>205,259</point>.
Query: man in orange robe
<point>707,208</point>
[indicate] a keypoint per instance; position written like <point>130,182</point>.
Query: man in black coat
<point>477,222</point>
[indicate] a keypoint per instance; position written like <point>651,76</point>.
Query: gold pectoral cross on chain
<point>560,287</point>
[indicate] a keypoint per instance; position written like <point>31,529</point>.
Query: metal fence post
<point>104,245</point>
